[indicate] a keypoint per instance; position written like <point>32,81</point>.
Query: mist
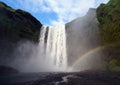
<point>83,48</point>
<point>82,40</point>
<point>46,56</point>
<point>31,57</point>
<point>78,37</point>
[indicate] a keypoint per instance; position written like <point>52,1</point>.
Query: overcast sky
<point>52,12</point>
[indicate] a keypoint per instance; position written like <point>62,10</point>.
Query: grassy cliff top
<point>18,24</point>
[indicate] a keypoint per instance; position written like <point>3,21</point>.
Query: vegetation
<point>109,22</point>
<point>109,17</point>
<point>18,24</point>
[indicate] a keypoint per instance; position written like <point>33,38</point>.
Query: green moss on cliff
<point>109,22</point>
<point>109,17</point>
<point>18,24</point>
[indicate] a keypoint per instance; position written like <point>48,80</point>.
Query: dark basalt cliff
<point>17,25</point>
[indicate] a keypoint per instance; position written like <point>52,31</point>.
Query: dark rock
<point>5,70</point>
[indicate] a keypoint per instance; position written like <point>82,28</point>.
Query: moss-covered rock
<point>109,17</point>
<point>18,24</point>
<point>15,26</point>
<point>109,22</point>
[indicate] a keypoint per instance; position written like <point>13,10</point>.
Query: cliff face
<point>109,17</point>
<point>109,22</point>
<point>82,38</point>
<point>15,26</point>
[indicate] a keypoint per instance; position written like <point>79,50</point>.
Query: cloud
<point>66,10</point>
<point>69,9</point>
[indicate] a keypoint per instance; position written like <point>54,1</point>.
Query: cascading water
<point>53,43</point>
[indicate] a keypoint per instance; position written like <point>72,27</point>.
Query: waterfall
<point>53,43</point>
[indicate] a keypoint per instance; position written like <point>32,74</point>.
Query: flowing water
<point>53,43</point>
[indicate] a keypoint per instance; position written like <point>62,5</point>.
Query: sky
<point>53,12</point>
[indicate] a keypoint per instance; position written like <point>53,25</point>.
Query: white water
<point>47,56</point>
<point>53,43</point>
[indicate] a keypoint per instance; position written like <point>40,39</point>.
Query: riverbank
<point>75,78</point>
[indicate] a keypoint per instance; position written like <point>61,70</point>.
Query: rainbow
<point>90,52</point>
